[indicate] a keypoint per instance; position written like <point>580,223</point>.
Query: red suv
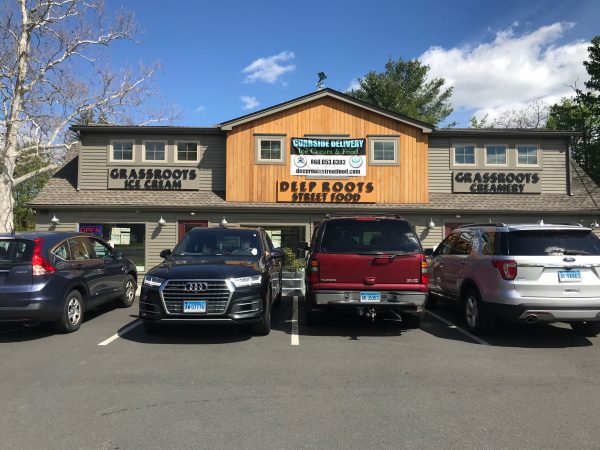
<point>366,264</point>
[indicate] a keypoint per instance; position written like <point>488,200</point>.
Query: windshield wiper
<point>576,252</point>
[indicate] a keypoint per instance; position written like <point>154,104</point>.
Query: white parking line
<point>457,328</point>
<point>295,338</point>
<point>121,332</point>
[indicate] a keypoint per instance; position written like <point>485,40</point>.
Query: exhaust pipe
<point>371,314</point>
<point>532,318</point>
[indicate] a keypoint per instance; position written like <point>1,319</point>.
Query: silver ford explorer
<point>529,272</point>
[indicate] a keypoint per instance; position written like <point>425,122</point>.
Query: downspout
<point>569,171</point>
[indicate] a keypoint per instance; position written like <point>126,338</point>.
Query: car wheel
<point>411,321</point>
<point>129,288</point>
<point>477,319</point>
<point>586,328</point>
<point>152,327</point>
<point>72,313</point>
<point>263,327</point>
<point>432,300</point>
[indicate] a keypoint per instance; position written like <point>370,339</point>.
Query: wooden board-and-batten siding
<point>251,182</point>
<point>94,161</point>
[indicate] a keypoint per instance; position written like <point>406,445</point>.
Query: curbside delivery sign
<point>328,157</point>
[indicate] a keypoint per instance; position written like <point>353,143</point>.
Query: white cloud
<point>250,102</point>
<point>269,69</point>
<point>511,70</point>
<point>354,84</point>
<point>200,108</point>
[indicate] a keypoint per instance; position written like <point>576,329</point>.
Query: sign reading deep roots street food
<point>328,157</point>
<point>330,191</point>
<point>496,182</point>
<point>153,179</point>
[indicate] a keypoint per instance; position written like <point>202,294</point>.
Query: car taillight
<point>39,265</point>
<point>507,268</point>
<point>424,272</point>
<point>313,270</point>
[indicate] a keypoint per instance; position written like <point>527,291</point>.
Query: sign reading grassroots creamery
<point>328,157</point>
<point>153,179</point>
<point>479,182</point>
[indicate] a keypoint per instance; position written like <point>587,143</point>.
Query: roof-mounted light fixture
<point>162,222</point>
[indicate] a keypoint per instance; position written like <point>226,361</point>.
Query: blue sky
<point>497,54</point>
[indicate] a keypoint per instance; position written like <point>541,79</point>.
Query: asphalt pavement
<point>345,384</point>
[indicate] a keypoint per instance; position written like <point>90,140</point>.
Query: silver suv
<point>530,273</point>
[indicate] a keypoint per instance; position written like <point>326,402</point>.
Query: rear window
<point>15,252</point>
<point>369,236</point>
<point>552,242</point>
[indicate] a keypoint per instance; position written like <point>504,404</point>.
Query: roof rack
<point>333,215</point>
<point>484,224</point>
<point>574,224</point>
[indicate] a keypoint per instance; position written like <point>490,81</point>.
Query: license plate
<point>370,297</point>
<point>194,307</point>
<point>570,276</point>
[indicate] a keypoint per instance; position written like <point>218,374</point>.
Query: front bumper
<point>406,301</point>
<point>245,305</point>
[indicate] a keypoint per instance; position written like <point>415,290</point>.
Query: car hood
<point>186,268</point>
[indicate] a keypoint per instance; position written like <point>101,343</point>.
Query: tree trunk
<point>6,205</point>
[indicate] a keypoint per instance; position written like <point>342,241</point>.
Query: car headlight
<point>153,281</point>
<point>247,281</point>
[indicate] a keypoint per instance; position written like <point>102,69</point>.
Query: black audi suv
<point>215,275</point>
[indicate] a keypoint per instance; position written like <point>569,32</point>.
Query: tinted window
<point>446,245</point>
<point>62,251</point>
<point>219,242</point>
<point>553,242</point>
<point>101,250</point>
<point>464,244</point>
<point>364,236</point>
<point>488,240</point>
<point>14,252</point>
<point>78,249</point>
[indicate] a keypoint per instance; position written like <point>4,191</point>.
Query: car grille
<point>216,296</point>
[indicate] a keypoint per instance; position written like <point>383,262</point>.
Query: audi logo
<point>196,287</point>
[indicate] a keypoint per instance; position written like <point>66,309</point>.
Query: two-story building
<point>286,166</point>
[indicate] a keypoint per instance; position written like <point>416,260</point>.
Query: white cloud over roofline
<point>509,71</point>
<point>250,102</point>
<point>269,69</point>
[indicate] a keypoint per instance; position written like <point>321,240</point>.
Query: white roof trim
<point>316,96</point>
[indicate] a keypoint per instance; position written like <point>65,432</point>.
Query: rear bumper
<point>36,311</point>
<point>546,313</point>
<point>408,301</point>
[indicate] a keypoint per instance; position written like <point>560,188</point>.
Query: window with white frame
<point>527,155</point>
<point>383,150</point>
<point>154,151</point>
<point>122,150</point>
<point>495,155</point>
<point>270,149</point>
<point>187,151</point>
<point>464,155</point>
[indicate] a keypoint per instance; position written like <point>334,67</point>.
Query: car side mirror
<point>302,246</point>
<point>165,253</point>
<point>277,253</point>
<point>428,252</point>
<point>119,255</point>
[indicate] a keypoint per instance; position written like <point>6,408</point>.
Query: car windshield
<point>15,252</point>
<point>369,236</point>
<point>553,242</point>
<point>220,242</point>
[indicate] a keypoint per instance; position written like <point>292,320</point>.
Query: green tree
<point>582,113</point>
<point>405,88</point>
<point>24,217</point>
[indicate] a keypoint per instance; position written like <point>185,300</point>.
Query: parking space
<point>346,383</point>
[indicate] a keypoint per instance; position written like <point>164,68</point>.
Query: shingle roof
<point>61,191</point>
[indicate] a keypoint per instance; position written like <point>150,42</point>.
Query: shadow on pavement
<point>506,334</point>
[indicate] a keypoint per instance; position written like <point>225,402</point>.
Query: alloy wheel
<point>471,311</point>
<point>74,311</point>
<point>129,292</point>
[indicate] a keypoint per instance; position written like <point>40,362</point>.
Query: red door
<point>184,226</point>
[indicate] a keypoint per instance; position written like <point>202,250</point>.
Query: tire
<point>589,329</point>
<point>263,327</point>
<point>477,319</point>
<point>432,300</point>
<point>129,288</point>
<point>152,327</point>
<point>72,313</point>
<point>411,321</point>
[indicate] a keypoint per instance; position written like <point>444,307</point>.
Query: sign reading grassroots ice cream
<point>328,157</point>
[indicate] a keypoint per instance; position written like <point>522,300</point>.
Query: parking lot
<point>344,384</point>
